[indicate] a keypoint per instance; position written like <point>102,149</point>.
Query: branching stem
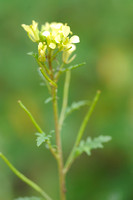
<point>81,131</point>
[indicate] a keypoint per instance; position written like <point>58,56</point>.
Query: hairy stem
<point>24,178</point>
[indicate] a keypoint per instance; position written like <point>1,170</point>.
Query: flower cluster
<point>54,36</point>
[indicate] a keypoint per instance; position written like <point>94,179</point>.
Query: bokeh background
<point>106,31</point>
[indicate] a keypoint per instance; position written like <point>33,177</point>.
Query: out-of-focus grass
<point>106,32</point>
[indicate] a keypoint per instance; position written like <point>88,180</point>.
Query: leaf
<point>89,144</point>
<point>76,106</point>
<point>28,198</point>
<point>35,55</point>
<point>42,137</point>
<point>48,100</point>
<point>72,67</point>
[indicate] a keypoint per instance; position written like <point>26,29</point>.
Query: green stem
<point>37,126</point>
<point>47,78</point>
<point>24,178</point>
<point>53,57</point>
<point>81,131</point>
<point>65,99</point>
<point>31,117</point>
<point>43,66</point>
<point>58,138</point>
<point>57,75</point>
<point>58,143</point>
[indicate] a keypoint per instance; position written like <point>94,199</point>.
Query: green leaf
<point>76,106</point>
<point>28,198</point>
<point>89,144</point>
<point>48,100</point>
<point>42,137</point>
<point>72,67</point>
<point>35,55</point>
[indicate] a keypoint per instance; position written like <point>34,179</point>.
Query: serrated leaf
<point>89,144</point>
<point>28,198</point>
<point>76,106</point>
<point>42,138</point>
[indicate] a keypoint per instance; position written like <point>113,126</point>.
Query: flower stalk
<point>65,99</point>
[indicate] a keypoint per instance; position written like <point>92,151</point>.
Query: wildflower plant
<point>55,47</point>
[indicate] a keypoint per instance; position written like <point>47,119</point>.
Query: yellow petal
<point>46,33</point>
<point>74,39</point>
<point>58,25</point>
<point>40,45</point>
<point>72,48</point>
<point>52,45</point>
<point>57,39</point>
<point>66,30</point>
<point>34,25</point>
<point>26,27</point>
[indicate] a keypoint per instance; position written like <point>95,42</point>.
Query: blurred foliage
<point>106,32</point>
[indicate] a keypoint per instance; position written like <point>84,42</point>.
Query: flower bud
<point>41,51</point>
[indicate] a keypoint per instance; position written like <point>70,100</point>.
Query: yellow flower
<point>53,36</point>
<point>32,31</point>
<point>55,33</point>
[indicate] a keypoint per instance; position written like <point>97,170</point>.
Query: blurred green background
<point>106,31</point>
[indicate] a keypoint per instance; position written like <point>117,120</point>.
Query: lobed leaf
<point>42,138</point>
<point>76,106</point>
<point>89,144</point>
